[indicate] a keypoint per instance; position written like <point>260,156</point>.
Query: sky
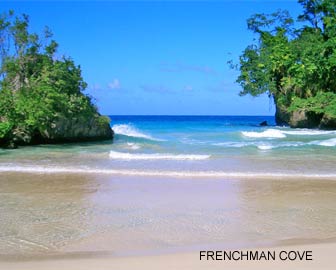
<point>156,57</point>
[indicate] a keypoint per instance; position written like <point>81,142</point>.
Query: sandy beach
<point>323,258</point>
<point>115,222</point>
<point>167,135</point>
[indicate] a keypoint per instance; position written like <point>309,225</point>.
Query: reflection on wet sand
<point>57,214</point>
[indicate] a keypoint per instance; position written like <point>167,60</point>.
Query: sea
<point>188,146</point>
<point>170,184</point>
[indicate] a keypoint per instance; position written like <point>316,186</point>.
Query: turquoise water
<point>204,146</point>
<point>102,196</point>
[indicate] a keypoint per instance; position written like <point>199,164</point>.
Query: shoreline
<point>52,170</point>
<point>322,258</point>
<point>96,254</point>
<point>82,220</point>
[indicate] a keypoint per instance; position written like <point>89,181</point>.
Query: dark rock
<point>282,116</point>
<point>328,122</point>
<point>10,145</point>
<point>80,129</point>
<point>304,119</point>
<point>77,130</point>
<point>21,136</point>
<point>297,119</point>
<point>263,124</point>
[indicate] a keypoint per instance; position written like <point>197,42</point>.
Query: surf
<point>189,174</point>
<point>131,131</point>
<point>140,156</point>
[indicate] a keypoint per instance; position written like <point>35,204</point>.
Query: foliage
<point>294,61</point>
<point>322,103</point>
<point>103,121</point>
<point>36,87</point>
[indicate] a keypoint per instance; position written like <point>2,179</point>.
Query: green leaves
<point>296,66</point>
<point>36,89</point>
<point>5,128</point>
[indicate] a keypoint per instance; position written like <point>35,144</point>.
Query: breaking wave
<point>130,156</point>
<point>330,142</point>
<point>276,133</point>
<point>193,174</point>
<point>133,146</point>
<point>130,131</point>
<point>269,146</point>
<point>269,133</point>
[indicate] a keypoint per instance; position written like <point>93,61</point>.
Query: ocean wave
<point>269,133</point>
<point>234,144</point>
<point>269,146</point>
<point>330,142</point>
<point>131,156</point>
<point>307,132</point>
<point>277,133</point>
<point>265,147</point>
<point>193,174</point>
<point>130,131</point>
<point>133,146</point>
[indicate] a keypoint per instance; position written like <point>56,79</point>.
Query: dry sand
<point>323,258</point>
<point>79,217</point>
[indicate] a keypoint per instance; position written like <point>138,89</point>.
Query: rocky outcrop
<point>328,122</point>
<point>77,129</point>
<point>303,119</point>
<point>282,116</point>
<point>80,129</point>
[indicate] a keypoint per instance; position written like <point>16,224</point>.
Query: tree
<point>293,61</point>
<point>36,88</point>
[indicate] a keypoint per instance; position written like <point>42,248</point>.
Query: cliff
<point>303,118</point>
<point>64,130</point>
<point>42,95</point>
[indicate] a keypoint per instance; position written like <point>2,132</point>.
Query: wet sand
<point>323,258</point>
<point>88,220</point>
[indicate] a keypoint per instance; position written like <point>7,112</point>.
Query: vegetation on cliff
<point>294,61</point>
<point>39,90</point>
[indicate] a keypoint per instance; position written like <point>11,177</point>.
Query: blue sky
<point>156,57</point>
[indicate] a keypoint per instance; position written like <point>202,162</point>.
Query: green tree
<point>293,60</point>
<point>36,88</point>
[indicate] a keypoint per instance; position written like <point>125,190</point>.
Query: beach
<point>163,191</point>
<point>79,221</point>
<point>323,259</point>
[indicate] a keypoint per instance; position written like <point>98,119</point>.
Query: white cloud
<point>95,87</point>
<point>115,84</point>
<point>188,87</point>
<point>155,88</point>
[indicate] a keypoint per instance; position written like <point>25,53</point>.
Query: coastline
<point>116,220</point>
<point>323,258</point>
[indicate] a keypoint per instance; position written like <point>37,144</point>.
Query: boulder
<point>78,129</point>
<point>304,119</point>
<point>328,122</point>
<point>282,116</point>
<point>298,118</point>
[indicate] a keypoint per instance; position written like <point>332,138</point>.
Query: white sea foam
<point>235,144</point>
<point>130,131</point>
<point>268,133</point>
<point>262,145</point>
<point>307,132</point>
<point>276,133</point>
<point>330,142</point>
<point>131,156</point>
<point>133,146</point>
<point>192,174</point>
<point>265,147</point>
